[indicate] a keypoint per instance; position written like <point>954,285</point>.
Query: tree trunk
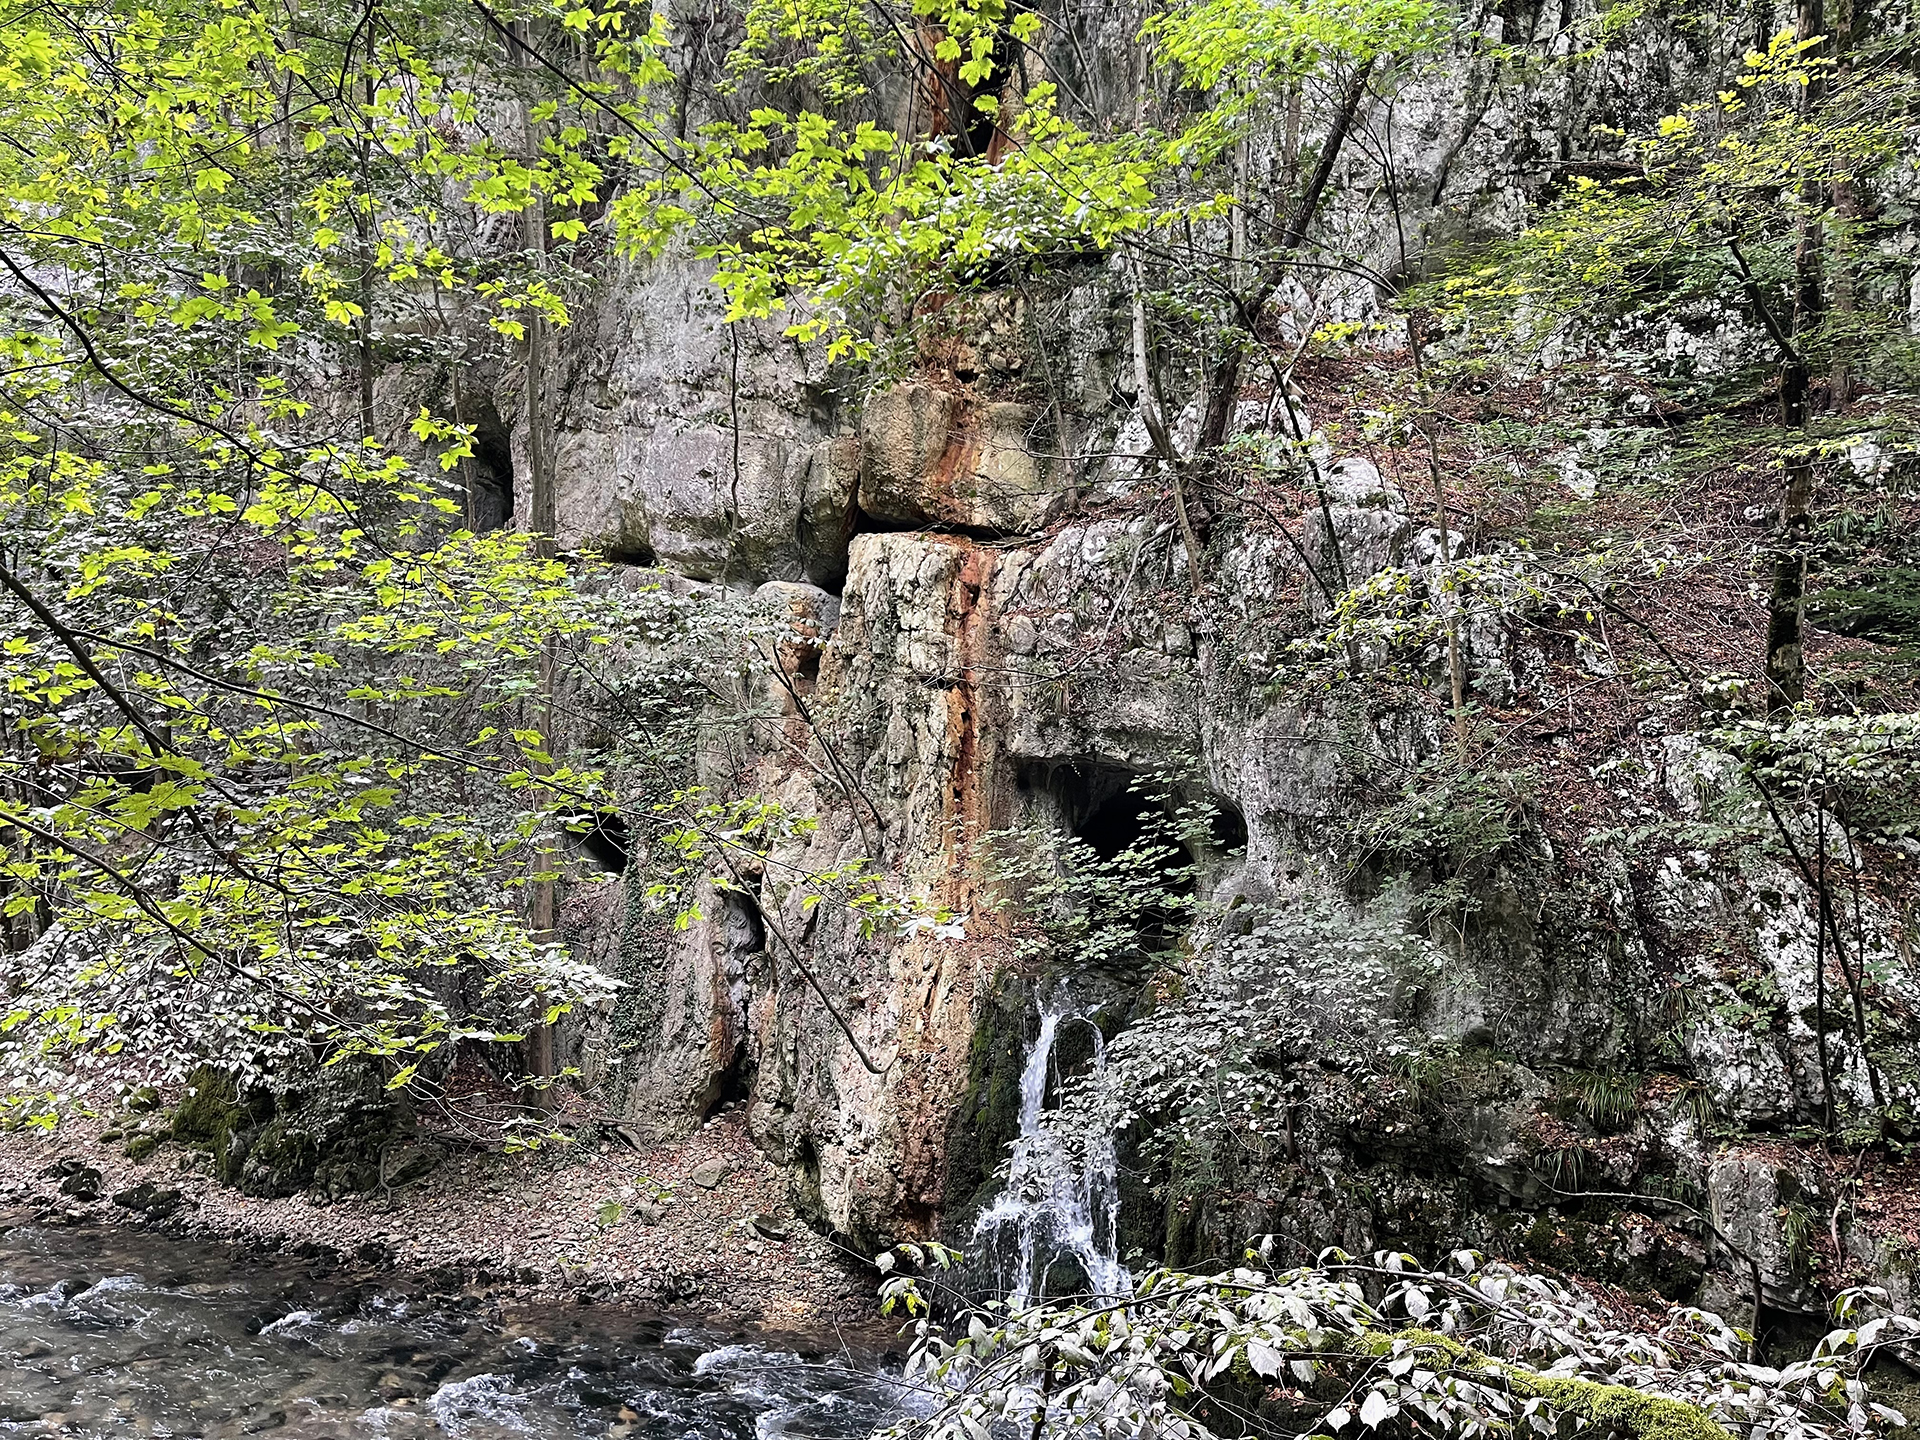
<point>1846,212</point>
<point>541,900</point>
<point>1223,385</point>
<point>1786,670</point>
<point>366,228</point>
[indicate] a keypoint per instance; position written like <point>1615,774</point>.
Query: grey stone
<point>146,1198</point>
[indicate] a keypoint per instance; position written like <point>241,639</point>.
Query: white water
<point>1056,1204</point>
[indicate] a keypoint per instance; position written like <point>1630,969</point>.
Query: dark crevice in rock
<point>489,473</point>
<point>641,556</point>
<point>865,524</point>
<point>601,837</point>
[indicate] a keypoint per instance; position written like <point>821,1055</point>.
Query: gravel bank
<point>595,1219</point>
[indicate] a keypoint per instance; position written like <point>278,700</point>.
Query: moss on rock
<point>215,1115</point>
<point>1612,1409</point>
<point>987,1118</point>
<point>337,1134</point>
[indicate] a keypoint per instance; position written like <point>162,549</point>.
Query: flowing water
<point>114,1333</point>
<point>1060,1210</point>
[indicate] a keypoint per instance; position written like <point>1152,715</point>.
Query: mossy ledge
<point>1610,1409</point>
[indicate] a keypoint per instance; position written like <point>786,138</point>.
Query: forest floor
<point>591,1220</point>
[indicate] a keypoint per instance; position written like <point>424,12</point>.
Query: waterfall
<point>1056,1204</point>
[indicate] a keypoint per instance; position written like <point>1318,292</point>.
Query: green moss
<point>281,1160</point>
<point>1613,1408</point>
<point>642,999</point>
<point>1604,1250</point>
<point>210,1115</point>
<point>210,1110</point>
<point>141,1146</point>
<point>1617,1408</point>
<point>213,1112</point>
<point>987,1117</point>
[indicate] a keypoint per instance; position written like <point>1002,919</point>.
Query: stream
<point>109,1332</point>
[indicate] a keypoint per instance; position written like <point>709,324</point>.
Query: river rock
<point>146,1198</point>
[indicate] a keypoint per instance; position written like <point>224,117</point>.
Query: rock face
<point>977,653</point>
<point>655,385</point>
<point>930,457</point>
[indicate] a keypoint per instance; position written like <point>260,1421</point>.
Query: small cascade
<point>1057,1205</point>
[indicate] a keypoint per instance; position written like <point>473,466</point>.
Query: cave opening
<point>1117,812</point>
<point>1115,809</point>
<point>637,553</point>
<point>489,473</point>
<point>601,837</point>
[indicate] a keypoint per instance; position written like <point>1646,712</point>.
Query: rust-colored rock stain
<point>941,973</point>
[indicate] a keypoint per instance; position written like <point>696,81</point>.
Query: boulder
<point>342,1131</point>
<point>336,1130</point>
<point>929,457</point>
<point>154,1201</point>
<point>216,1115</point>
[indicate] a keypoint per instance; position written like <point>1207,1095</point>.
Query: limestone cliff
<point>1000,627</point>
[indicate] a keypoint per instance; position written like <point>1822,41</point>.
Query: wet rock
<point>679,1287</point>
<point>82,1184</point>
<point>146,1198</point>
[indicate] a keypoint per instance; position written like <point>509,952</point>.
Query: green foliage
<point>1605,1098</point>
<point>826,216</point>
<point>1864,768</point>
<point>1077,909</point>
<point>1881,604</point>
<point>1471,1350</point>
<point>1446,824</point>
<point>288,752</point>
<point>1209,1075</point>
<point>1707,215</point>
